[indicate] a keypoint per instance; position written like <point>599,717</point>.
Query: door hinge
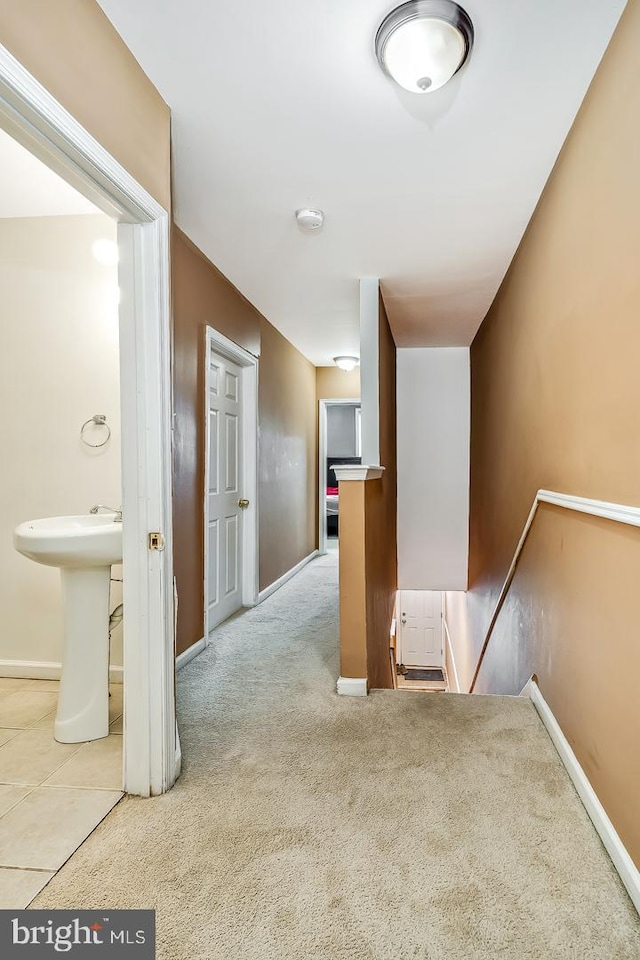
<point>156,541</point>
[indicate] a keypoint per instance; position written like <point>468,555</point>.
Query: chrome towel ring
<point>98,420</point>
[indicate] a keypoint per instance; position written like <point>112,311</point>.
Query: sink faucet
<point>103,506</point>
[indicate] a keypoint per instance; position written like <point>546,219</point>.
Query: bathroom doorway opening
<point>30,116</point>
<point>59,366</point>
<point>339,441</point>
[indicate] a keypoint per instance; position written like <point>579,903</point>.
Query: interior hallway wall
<point>434,410</point>
<point>555,401</point>
<point>59,365</point>
<point>287,424</point>
<point>335,384</point>
<point>342,430</point>
<point>380,529</point>
<point>72,49</point>
<point>288,487</point>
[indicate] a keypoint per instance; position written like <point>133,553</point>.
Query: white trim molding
<point>190,653</point>
<point>618,512</point>
<point>352,686</point>
<point>33,117</point>
<point>357,472</point>
<point>280,582</point>
<point>612,843</point>
<point>452,659</point>
<point>44,670</point>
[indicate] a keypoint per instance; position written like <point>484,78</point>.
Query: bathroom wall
<point>59,365</point>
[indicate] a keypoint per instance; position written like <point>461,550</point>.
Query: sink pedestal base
<point>83,704</point>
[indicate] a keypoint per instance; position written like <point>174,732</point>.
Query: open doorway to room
<point>88,429</point>
<point>61,650</point>
<point>340,441</point>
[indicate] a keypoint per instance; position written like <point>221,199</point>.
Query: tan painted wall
<point>353,579</point>
<point>286,477</point>
<point>555,402</point>
<point>288,456</point>
<point>335,384</point>
<point>71,48</point>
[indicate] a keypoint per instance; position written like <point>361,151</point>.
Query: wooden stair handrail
<point>595,508</point>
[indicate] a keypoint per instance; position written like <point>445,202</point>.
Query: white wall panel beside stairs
<point>433,404</point>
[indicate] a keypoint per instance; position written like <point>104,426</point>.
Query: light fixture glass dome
<point>423,43</point>
<point>346,363</point>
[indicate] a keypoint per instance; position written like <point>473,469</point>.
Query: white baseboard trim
<point>352,686</point>
<point>188,655</point>
<point>452,659</point>
<point>44,670</point>
<point>614,846</point>
<point>280,582</point>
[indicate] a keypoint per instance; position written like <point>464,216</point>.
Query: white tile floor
<point>52,795</point>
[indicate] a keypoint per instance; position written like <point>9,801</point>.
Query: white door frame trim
<point>322,459</point>
<point>31,115</point>
<point>249,481</point>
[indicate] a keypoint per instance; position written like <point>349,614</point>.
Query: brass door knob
<point>242,503</point>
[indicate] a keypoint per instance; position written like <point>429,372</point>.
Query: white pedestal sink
<point>84,548</point>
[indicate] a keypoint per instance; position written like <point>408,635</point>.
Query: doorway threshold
<point>423,686</point>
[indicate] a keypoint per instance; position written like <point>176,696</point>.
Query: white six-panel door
<point>421,638</point>
<point>223,549</point>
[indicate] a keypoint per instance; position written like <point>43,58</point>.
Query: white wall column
<point>370,369</point>
<point>434,413</point>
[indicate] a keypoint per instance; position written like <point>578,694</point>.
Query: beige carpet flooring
<point>311,827</point>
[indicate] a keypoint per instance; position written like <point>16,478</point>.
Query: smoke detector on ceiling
<point>309,219</point>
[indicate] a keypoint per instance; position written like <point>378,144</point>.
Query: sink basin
<point>84,547</point>
<point>94,540</point>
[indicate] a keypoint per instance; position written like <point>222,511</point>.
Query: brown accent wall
<point>203,297</point>
<point>555,404</point>
<point>380,521</point>
<point>335,384</point>
<point>72,49</point>
<point>288,486</point>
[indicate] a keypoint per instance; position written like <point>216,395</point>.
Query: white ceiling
<point>28,188</point>
<point>280,105</point>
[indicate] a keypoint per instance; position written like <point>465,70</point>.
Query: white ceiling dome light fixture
<point>310,219</point>
<point>423,43</point>
<point>346,363</point>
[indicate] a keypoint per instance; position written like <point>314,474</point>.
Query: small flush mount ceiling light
<point>423,43</point>
<point>346,363</point>
<point>309,219</point>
